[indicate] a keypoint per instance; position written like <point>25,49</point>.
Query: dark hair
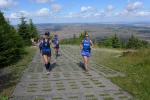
<point>46,33</point>
<point>56,35</point>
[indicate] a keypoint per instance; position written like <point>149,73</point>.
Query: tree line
<point>132,43</point>
<point>13,41</point>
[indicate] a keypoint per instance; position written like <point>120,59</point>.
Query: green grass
<point>14,72</point>
<point>3,98</point>
<point>108,98</point>
<point>136,66</point>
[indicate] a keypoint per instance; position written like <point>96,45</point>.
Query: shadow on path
<point>53,65</point>
<point>81,65</point>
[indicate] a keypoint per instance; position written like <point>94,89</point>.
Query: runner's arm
<point>91,44</point>
<point>81,45</point>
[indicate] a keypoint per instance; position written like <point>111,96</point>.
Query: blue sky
<point>60,11</point>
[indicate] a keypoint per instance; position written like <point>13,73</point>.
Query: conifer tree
<point>136,43</point>
<point>116,42</point>
<point>11,45</point>
<point>33,30</point>
<point>23,30</point>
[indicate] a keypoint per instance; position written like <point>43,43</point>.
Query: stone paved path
<point>68,81</point>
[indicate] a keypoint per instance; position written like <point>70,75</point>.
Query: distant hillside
<point>98,31</point>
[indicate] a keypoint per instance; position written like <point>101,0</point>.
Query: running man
<point>46,52</point>
<point>56,44</point>
<point>85,47</point>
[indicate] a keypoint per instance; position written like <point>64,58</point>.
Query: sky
<point>76,11</point>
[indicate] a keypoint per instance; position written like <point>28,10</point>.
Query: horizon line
<point>121,22</point>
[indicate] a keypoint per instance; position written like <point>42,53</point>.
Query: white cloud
<point>91,12</point>
<point>132,10</point>
<point>100,14</point>
<point>110,8</point>
<point>13,16</point>
<point>143,13</point>
<point>87,9</point>
<point>7,3</point>
<point>134,6</point>
<point>56,8</point>
<point>43,1</point>
<point>17,15</point>
<point>24,13</point>
<point>109,11</point>
<point>85,12</point>
<point>43,12</point>
<point>139,14</point>
<point>97,14</point>
<point>123,13</point>
<point>72,15</point>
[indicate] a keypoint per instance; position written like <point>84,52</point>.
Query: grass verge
<point>11,75</point>
<point>136,66</point>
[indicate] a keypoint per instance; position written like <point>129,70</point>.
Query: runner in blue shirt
<point>85,47</point>
<point>46,51</point>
